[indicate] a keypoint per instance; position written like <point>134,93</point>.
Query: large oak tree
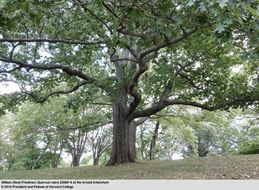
<point>140,56</point>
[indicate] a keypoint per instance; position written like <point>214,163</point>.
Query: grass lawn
<point>214,167</point>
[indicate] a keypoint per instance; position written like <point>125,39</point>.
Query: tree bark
<point>121,149</point>
<point>123,146</point>
<point>124,141</point>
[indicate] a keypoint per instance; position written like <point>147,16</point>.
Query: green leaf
<point>190,3</point>
<point>202,7</point>
<point>223,3</point>
<point>36,19</point>
<point>219,28</point>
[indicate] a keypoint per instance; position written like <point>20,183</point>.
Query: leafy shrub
<point>250,147</point>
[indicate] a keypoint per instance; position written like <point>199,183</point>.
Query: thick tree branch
<point>165,43</point>
<point>36,99</point>
<point>11,70</point>
<point>123,59</point>
<point>169,85</point>
<point>132,88</point>
<point>190,81</point>
<point>134,104</point>
<point>248,99</point>
<point>141,120</point>
<point>156,107</point>
<point>66,41</point>
<point>64,68</point>
<point>194,60</point>
<point>12,50</point>
<point>128,33</point>
<point>95,125</point>
<point>110,9</point>
<point>167,90</point>
<point>133,52</point>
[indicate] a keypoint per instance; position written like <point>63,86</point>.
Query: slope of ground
<point>215,167</point>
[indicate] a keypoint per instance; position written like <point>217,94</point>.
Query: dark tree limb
<point>133,52</point>
<point>169,85</point>
<point>65,41</point>
<point>59,92</point>
<point>190,81</point>
<point>12,50</point>
<point>194,60</point>
<point>78,2</point>
<point>128,33</point>
<point>141,120</point>
<point>110,9</point>
<point>66,69</point>
<point>95,125</point>
<point>121,28</point>
<point>158,106</point>
<point>11,70</point>
<point>166,43</point>
<point>132,88</point>
<point>167,90</point>
<point>123,59</point>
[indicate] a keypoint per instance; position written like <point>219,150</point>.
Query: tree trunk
<point>123,149</point>
<point>124,135</point>
<point>54,164</point>
<point>54,160</point>
<point>75,161</point>
<point>153,143</point>
<point>96,158</point>
<point>56,156</point>
<point>202,149</point>
<point>143,145</point>
<point>96,162</point>
<point>124,128</point>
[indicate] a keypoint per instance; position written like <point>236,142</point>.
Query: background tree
<point>36,136</point>
<point>248,143</point>
<point>99,141</point>
<point>8,153</point>
<point>75,143</point>
<point>81,123</point>
<point>39,134</point>
<point>153,142</point>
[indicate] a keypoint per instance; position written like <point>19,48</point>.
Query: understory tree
<point>139,57</point>
<point>191,132</point>
<point>36,136</point>
<point>99,141</point>
<point>249,141</point>
<point>158,141</point>
<point>7,152</point>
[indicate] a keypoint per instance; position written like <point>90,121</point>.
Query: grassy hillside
<point>216,167</point>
